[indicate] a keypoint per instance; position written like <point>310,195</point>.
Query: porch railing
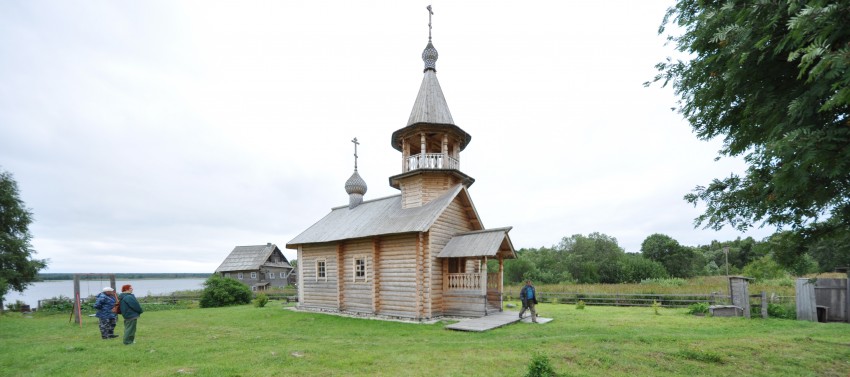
<point>463,281</point>
<point>431,161</point>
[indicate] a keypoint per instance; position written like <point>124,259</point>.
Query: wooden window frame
<point>360,269</point>
<point>253,275</point>
<point>321,269</point>
<point>271,275</point>
<point>241,276</point>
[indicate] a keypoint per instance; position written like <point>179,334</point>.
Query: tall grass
<point>273,341</point>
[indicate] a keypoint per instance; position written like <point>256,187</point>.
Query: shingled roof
<point>376,217</point>
<point>251,258</point>
<point>480,243</point>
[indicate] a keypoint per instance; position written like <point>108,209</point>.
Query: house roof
<point>375,217</point>
<point>251,258</point>
<point>480,243</point>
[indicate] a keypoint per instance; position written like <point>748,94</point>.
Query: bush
<point>656,307</point>
<point>220,291</point>
<point>580,304</point>
<point>261,300</point>
<point>698,308</point>
<point>61,304</point>
<point>15,306</point>
<point>540,367</point>
<point>781,311</point>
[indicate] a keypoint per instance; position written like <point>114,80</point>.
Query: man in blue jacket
<point>131,310</point>
<point>528,295</point>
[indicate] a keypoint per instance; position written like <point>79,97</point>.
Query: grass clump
<point>656,307</point>
<point>580,305</point>
<point>540,366</point>
<point>261,300</point>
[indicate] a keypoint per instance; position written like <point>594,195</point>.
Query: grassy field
<point>273,341</point>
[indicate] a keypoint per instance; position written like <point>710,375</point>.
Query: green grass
<point>271,341</point>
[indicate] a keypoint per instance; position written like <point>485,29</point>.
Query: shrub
<point>781,311</point>
<point>220,291</point>
<point>540,367</point>
<point>655,307</point>
<point>61,304</point>
<point>698,308</point>
<point>261,300</point>
<point>580,305</point>
<point>15,306</point>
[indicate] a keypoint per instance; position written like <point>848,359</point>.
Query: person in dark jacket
<point>130,310</point>
<point>528,295</point>
<point>103,303</point>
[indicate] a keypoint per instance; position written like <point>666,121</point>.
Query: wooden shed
<point>420,254</point>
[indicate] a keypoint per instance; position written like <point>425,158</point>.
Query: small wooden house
<point>260,267</point>
<point>420,254</point>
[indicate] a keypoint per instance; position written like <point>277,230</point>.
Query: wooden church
<point>420,254</point>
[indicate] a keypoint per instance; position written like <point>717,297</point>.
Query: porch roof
<point>480,243</point>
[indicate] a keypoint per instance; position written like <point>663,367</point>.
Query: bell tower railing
<point>431,161</point>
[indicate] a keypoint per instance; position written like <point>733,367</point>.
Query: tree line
<point>597,258</point>
<point>125,276</point>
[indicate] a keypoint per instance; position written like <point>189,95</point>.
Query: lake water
<point>141,287</point>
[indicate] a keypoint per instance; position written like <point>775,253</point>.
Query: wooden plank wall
<point>464,303</point>
<point>322,293</point>
<point>832,293</point>
<point>397,295</point>
<point>453,220</point>
<point>805,296</point>
<point>421,189</point>
<point>357,295</point>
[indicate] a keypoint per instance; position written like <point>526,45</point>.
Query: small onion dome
<point>429,56</point>
<point>355,185</point>
<point>356,188</point>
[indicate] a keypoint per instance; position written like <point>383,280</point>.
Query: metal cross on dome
<point>430,13</point>
<point>356,143</point>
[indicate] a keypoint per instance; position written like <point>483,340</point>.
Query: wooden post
<point>501,283</point>
<point>483,272</point>
<point>405,153</point>
<point>301,276</point>
<point>422,140</point>
<point>376,275</point>
<point>764,304</point>
<point>77,299</point>
<point>340,276</point>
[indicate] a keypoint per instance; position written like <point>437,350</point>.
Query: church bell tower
<point>431,143</point>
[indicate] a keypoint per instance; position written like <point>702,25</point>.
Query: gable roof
<point>376,217</point>
<point>480,243</point>
<point>251,258</point>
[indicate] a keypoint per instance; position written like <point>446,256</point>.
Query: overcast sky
<point>155,136</point>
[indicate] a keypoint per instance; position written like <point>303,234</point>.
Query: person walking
<point>103,303</point>
<point>131,310</point>
<point>528,295</point>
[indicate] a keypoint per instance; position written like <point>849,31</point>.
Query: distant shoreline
<point>121,276</point>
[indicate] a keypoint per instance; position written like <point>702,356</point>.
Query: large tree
<point>679,261</point>
<point>17,266</point>
<point>772,78</point>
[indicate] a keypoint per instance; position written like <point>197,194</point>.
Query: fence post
<point>764,304</point>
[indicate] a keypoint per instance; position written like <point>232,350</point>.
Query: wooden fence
<point>638,299</point>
